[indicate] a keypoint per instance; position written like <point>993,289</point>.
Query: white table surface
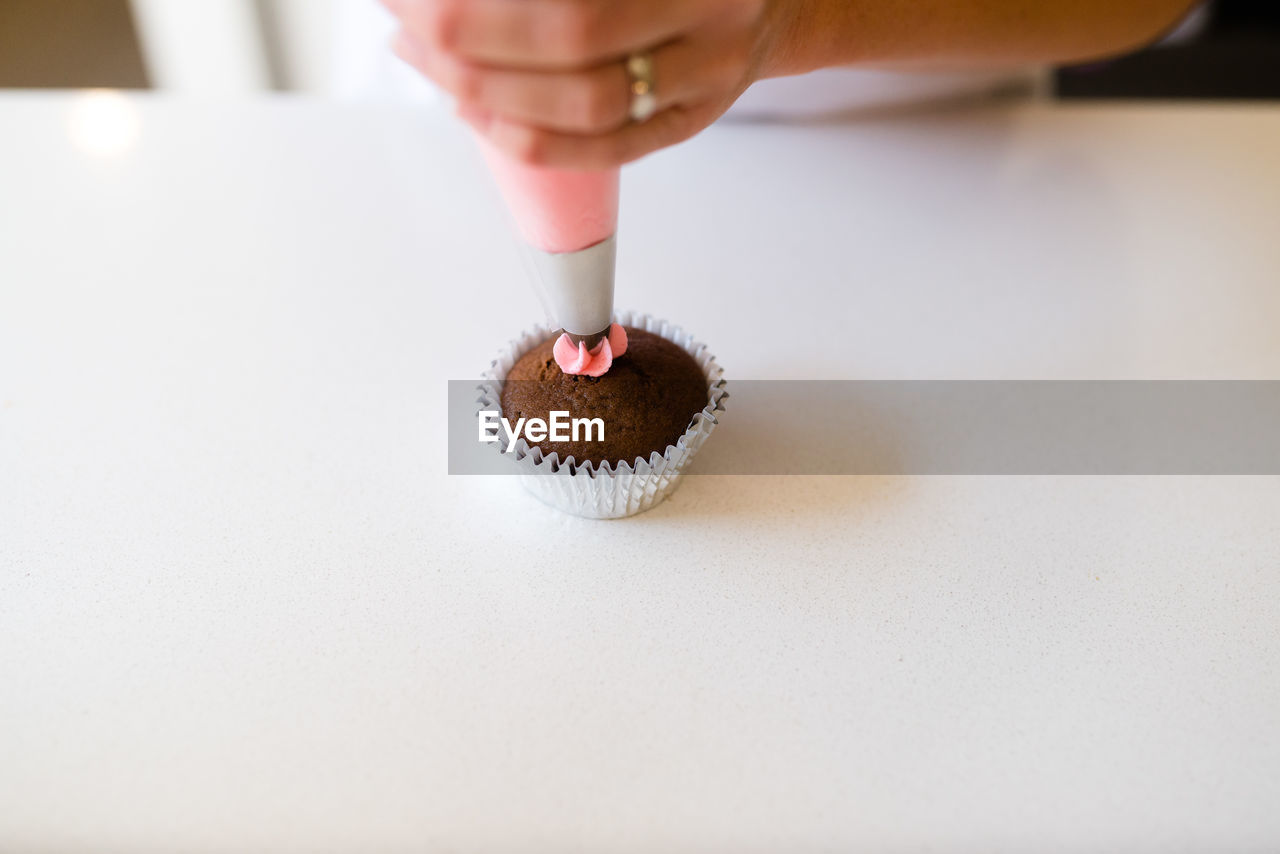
<point>244,608</point>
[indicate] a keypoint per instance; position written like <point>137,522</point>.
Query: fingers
<point>556,34</point>
<point>545,80</point>
<point>544,147</point>
<point>594,100</point>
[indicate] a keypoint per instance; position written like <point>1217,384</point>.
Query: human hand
<point>547,82</point>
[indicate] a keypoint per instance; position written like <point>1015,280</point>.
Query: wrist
<point>799,36</point>
<point>781,39</point>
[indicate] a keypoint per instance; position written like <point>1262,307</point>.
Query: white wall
<point>337,48</point>
<point>300,35</point>
<point>204,47</point>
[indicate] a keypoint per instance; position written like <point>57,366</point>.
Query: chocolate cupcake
<point>642,405</point>
<point>657,404</point>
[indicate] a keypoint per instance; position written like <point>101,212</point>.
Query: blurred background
<point>204,47</point>
<point>1224,49</point>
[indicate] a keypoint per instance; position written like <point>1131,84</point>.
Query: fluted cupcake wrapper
<point>608,491</point>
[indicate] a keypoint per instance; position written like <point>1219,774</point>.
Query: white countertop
<point>243,608</point>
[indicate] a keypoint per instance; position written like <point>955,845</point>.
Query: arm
<point>941,35</point>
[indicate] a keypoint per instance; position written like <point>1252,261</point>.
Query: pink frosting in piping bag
<point>559,210</point>
<point>556,210</point>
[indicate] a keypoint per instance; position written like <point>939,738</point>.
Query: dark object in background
<point>69,44</point>
<point>1236,55</point>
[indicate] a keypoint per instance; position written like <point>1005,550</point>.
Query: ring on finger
<point>644,96</point>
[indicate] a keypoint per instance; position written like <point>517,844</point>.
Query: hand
<point>546,80</point>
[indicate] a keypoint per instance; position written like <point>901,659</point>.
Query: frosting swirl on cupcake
<point>595,362</point>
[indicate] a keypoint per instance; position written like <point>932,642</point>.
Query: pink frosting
<point>592,363</point>
<point>556,210</point>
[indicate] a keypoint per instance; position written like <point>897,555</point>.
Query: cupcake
<point>614,444</point>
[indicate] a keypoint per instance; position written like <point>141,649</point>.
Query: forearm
<point>957,34</point>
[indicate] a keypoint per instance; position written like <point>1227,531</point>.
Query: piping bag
<point>569,223</point>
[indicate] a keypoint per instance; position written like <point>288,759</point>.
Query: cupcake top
<point>645,401</point>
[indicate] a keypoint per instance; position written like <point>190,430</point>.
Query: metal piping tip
<point>577,288</point>
<point>592,341</point>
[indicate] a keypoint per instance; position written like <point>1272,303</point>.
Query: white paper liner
<point>607,491</point>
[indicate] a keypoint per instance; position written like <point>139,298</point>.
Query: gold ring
<point>644,98</point>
